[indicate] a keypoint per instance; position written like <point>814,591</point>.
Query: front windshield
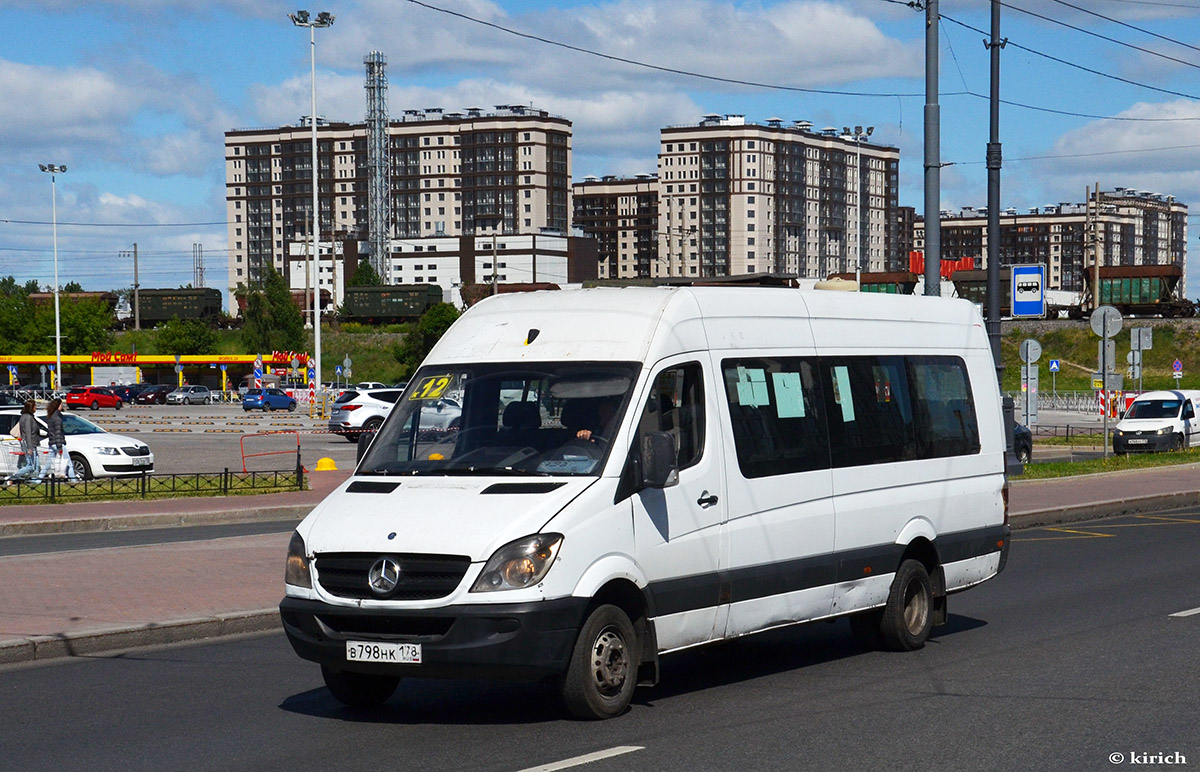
<point>73,425</point>
<point>553,418</point>
<point>1154,408</point>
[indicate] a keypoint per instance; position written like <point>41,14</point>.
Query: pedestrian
<point>31,437</point>
<point>57,440</point>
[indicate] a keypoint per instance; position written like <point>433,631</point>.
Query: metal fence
<point>225,483</point>
<point>1074,401</point>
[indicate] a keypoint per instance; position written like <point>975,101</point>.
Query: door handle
<point>707,500</point>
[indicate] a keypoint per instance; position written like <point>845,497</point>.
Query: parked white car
<point>357,411</point>
<point>94,451</point>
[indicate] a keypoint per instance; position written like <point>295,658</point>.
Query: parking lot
<point>210,438</point>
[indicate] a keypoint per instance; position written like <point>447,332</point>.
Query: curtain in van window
<point>870,410</point>
<point>777,415</point>
<point>947,424</point>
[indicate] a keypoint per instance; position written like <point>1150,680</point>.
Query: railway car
<point>161,305</point>
<point>1139,290</point>
<point>885,282</point>
<point>473,293</point>
<point>389,303</point>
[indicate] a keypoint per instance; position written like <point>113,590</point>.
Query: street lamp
<point>323,19</point>
<point>858,134</point>
<point>53,170</point>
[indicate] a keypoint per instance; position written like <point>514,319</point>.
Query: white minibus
<point>642,470</point>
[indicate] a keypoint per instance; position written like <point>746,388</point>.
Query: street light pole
<point>54,170</point>
<point>323,19</point>
<point>859,133</point>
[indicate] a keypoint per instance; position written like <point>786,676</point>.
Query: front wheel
<point>602,673</point>
<point>1023,455</point>
<point>291,407</point>
<point>82,469</point>
<point>908,615</point>
<point>119,404</point>
<point>1176,444</point>
<point>359,690</point>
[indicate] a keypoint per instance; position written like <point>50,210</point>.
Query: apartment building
<point>738,197</point>
<point>450,174</point>
<point>621,214</point>
<point>1127,227</point>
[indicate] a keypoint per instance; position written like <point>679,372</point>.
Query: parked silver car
<point>190,395</point>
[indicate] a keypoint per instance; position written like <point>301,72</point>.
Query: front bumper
<point>1132,442</point>
<point>518,641</point>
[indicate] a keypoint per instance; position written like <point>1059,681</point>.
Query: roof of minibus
<point>643,324</point>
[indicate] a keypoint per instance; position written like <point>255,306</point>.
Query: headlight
<point>519,564</point>
<point>297,573</point>
<point>108,451</point>
<point>1118,433</point>
<point>1165,430</point>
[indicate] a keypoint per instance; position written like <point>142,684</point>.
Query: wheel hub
<point>610,660</point>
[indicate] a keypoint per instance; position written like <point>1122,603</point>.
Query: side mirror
<point>364,442</point>
<point>659,465</point>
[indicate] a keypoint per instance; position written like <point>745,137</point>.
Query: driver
<point>605,410</point>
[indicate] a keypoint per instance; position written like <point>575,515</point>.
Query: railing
<point>1075,401</point>
<point>224,483</point>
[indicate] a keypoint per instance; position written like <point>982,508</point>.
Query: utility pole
<point>137,305</point>
<point>993,178</point>
<point>933,156</point>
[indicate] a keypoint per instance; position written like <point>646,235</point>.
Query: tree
<point>365,275</point>
<point>72,286</point>
<point>187,336</point>
<point>272,321</point>
<point>421,337</point>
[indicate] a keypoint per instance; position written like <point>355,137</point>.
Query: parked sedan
<point>190,395</point>
<point>267,400</point>
<point>94,397</point>
<point>155,395</point>
<point>94,452</point>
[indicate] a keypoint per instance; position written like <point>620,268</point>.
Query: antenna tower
<point>378,164</point>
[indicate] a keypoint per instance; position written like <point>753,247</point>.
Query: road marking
<point>1188,613</point>
<point>585,759</point>
<point>1082,533</point>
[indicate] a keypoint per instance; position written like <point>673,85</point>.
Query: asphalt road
<point>210,438</point>
<point>1077,653</point>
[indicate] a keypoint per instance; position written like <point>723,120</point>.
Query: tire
<point>908,616</point>
<point>1176,444</point>
<point>291,407</point>
<point>118,404</point>
<point>602,673</point>
<point>372,425</point>
<point>1023,455</point>
<point>359,690</point>
<point>82,469</point>
<point>95,405</point>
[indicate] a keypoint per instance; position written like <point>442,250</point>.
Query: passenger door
<point>678,530</point>
<point>1191,429</point>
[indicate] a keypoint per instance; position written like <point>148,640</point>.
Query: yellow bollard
<point>326,465</point>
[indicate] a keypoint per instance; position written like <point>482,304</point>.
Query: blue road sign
<point>338,369</point>
<point>1028,290</point>
<point>1054,365</point>
<point>1177,366</point>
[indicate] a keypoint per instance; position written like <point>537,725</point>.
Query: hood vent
<point>530,487</point>
<point>372,486</point>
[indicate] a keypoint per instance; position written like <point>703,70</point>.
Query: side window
<point>1188,410</point>
<point>777,415</point>
<point>676,406</point>
<point>870,412</point>
<point>946,422</point>
<point>7,422</point>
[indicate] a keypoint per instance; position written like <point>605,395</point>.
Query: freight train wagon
<point>389,303</point>
<point>1139,290</point>
<point>161,305</point>
<point>885,282</point>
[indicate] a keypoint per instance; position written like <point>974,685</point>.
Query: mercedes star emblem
<point>384,575</point>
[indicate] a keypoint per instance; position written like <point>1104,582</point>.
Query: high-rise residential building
<point>738,197</point>
<point>621,214</point>
<point>450,173</point>
<point>1127,228</point>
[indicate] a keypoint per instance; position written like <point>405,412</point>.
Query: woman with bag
<point>60,463</point>
<point>31,434</point>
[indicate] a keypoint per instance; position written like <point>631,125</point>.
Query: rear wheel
<point>359,690</point>
<point>602,673</point>
<point>95,405</point>
<point>908,616</point>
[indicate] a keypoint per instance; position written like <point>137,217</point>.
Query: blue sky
<point>134,97</point>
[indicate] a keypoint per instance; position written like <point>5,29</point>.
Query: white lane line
<point>1188,613</point>
<point>587,758</point>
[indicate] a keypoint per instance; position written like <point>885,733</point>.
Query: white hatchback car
<point>94,451</point>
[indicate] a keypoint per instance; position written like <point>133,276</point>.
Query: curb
<point>125,522</point>
<point>45,647</point>
<point>1131,506</point>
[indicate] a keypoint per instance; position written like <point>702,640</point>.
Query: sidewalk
<point>91,601</point>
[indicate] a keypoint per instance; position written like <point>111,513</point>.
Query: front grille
<point>386,626</point>
<point>137,450</point>
<point>422,577</point>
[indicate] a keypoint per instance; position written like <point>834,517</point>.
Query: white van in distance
<point>1159,420</point>
<point>638,471</point>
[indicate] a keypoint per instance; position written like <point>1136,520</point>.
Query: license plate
<point>1138,442</point>
<point>141,461</point>
<point>395,653</point>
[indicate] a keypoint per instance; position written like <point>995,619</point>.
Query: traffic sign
<point>338,370</point>
<point>1141,338</point>
<point>1028,290</point>
<point>1055,365</point>
<point>1106,321</point>
<point>346,362</point>
<point>1031,350</point>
